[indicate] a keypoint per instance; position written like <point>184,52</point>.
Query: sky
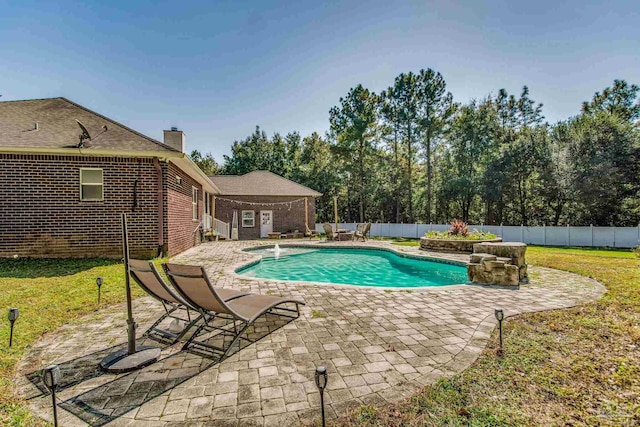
<point>217,69</point>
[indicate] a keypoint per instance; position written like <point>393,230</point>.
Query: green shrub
<point>472,235</point>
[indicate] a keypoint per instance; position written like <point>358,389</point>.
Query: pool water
<point>362,267</point>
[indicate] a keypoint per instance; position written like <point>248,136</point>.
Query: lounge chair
<point>310,233</point>
<point>329,231</point>
<point>192,283</point>
<point>145,274</point>
<point>361,231</point>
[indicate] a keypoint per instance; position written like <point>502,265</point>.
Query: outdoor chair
<point>361,231</point>
<point>193,285</point>
<point>145,274</point>
<point>329,231</point>
<point>310,233</point>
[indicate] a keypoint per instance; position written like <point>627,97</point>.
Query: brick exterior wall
<point>41,214</point>
<point>180,222</point>
<point>285,217</point>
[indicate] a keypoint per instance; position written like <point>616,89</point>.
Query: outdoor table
<point>344,235</point>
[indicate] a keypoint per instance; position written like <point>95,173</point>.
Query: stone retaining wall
<point>451,245</point>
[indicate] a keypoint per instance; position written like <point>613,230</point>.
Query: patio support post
<point>335,210</point>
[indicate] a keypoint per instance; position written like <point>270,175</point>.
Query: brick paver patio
<point>378,345</point>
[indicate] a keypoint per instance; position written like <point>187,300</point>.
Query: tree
<point>602,152</point>
<point>619,100</point>
<point>471,137</point>
<point>353,124</point>
<point>390,134</point>
<point>206,163</point>
<point>317,171</point>
<point>434,109</point>
<point>402,107</point>
<point>252,153</point>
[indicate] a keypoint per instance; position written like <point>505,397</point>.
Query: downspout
<point>156,163</point>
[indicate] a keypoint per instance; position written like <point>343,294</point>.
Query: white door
<point>266,223</point>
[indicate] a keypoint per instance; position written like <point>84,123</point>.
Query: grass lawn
<point>48,293</point>
<point>573,367</point>
<point>568,367</point>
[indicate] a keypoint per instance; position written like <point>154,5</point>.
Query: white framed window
<point>91,184</point>
<point>194,202</point>
<point>248,219</point>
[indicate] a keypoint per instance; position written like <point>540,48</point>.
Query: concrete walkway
<point>378,346</point>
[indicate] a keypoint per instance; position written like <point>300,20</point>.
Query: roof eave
<point>90,152</point>
<point>184,162</point>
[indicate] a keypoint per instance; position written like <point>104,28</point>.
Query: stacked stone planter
<point>451,245</point>
<point>498,263</point>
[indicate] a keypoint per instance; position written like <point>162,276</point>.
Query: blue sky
<point>218,69</point>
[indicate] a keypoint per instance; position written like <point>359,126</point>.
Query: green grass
<point>567,367</point>
<point>573,367</point>
<point>400,241</point>
<point>49,293</point>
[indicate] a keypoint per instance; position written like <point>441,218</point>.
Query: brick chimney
<point>175,138</point>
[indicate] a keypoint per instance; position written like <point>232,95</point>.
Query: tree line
<point>413,154</point>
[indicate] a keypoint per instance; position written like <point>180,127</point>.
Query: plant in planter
<point>460,231</point>
<point>458,228</point>
<point>457,239</point>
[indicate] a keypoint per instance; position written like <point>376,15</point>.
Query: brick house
<point>264,203</point>
<point>67,174</point>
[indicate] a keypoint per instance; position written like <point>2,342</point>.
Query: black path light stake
<point>321,383</point>
<point>499,313</point>
<point>51,378</point>
<point>99,283</point>
<point>131,358</point>
<point>13,316</point>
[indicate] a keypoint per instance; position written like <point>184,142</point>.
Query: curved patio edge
<point>378,346</point>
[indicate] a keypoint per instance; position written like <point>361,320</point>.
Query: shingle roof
<point>260,183</point>
<point>57,128</point>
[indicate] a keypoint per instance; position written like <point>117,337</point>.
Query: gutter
<point>89,152</point>
<point>160,194</point>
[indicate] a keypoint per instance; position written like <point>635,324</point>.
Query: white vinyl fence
<point>616,237</point>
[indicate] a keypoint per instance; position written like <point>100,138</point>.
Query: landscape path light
<point>51,377</point>
<point>13,316</point>
<point>499,313</point>
<point>99,283</point>
<point>321,382</point>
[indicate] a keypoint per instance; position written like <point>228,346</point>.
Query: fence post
<point>614,237</point>
<point>544,234</point>
<point>591,227</point>
<point>417,230</point>
<point>522,233</point>
<point>568,235</point>
<point>502,230</point>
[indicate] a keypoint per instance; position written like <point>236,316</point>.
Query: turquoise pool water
<point>362,267</point>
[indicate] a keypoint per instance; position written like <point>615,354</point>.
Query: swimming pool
<point>361,267</point>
